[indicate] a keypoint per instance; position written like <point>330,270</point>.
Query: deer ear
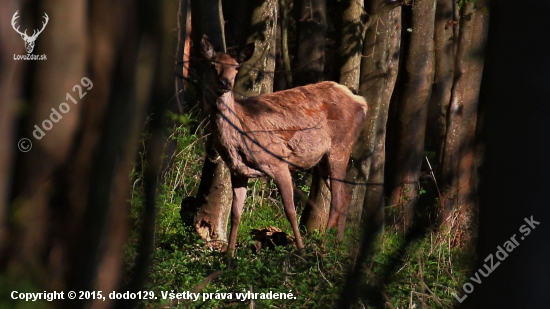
<point>246,53</point>
<point>207,49</point>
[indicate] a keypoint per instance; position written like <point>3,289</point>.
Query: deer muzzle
<point>224,85</point>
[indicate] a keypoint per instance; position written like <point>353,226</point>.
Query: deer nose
<point>225,84</point>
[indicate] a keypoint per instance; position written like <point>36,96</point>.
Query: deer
<point>272,134</point>
<point>29,40</point>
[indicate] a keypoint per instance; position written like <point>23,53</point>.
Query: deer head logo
<point>29,40</point>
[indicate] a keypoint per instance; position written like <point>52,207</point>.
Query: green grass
<point>418,273</point>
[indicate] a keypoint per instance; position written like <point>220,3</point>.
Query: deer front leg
<point>283,180</point>
<point>239,194</point>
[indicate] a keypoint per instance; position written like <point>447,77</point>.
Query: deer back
<point>301,124</point>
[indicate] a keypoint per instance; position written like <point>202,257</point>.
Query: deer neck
<point>226,117</point>
<point>229,135</point>
<point>228,124</point>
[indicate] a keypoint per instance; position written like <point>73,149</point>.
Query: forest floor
<point>419,271</point>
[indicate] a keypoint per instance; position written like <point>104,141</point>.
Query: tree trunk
<point>11,73</point>
<point>443,77</point>
<point>32,234</point>
<point>256,77</point>
<point>70,191</point>
<point>379,66</point>
<point>212,204</point>
<point>315,213</point>
<point>350,42</point>
<point>412,114</point>
<point>310,44</point>
<point>457,164</point>
<point>348,59</point>
<point>183,51</point>
<point>309,69</point>
<point>285,51</point>
<point>378,75</point>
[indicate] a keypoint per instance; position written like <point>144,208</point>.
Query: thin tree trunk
<point>32,234</point>
<point>155,44</point>
<point>471,102</point>
<point>213,201</point>
<point>379,66</point>
<point>378,76</point>
<point>348,58</point>
<point>182,51</point>
<point>458,163</point>
<point>256,77</point>
<point>11,73</point>
<point>478,146</point>
<point>309,69</point>
<point>443,78</point>
<point>350,43</point>
<point>121,40</point>
<point>310,44</point>
<point>412,114</point>
<point>284,44</point>
<point>315,213</point>
<point>451,148</point>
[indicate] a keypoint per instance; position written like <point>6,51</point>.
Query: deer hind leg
<point>239,195</point>
<point>339,194</point>
<point>283,180</point>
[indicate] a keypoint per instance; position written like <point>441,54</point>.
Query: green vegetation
<point>405,272</point>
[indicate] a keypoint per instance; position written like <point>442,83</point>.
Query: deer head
<point>29,40</point>
<point>224,67</point>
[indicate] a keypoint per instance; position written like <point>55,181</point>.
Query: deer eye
<point>238,67</point>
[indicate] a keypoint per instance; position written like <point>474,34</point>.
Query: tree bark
<point>69,193</point>
<point>457,164</point>
<point>310,44</point>
<point>32,234</point>
<point>256,77</point>
<point>443,77</point>
<point>315,213</point>
<point>285,51</point>
<point>183,51</point>
<point>352,24</point>
<point>11,73</point>
<point>350,42</point>
<point>212,204</point>
<point>377,80</point>
<point>213,200</point>
<point>309,69</point>
<point>412,115</point>
<point>379,68</point>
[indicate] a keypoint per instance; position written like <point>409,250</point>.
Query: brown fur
<point>270,134</point>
